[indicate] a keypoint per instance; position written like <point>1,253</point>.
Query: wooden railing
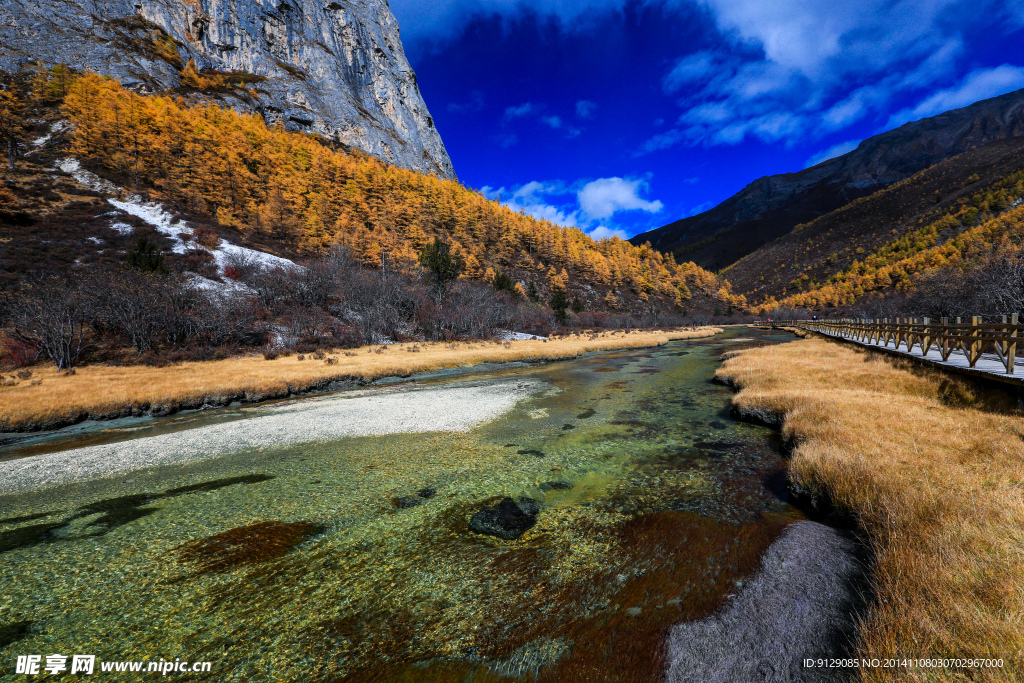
<point>973,338</point>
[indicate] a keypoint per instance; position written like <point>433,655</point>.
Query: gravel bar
<point>359,413</point>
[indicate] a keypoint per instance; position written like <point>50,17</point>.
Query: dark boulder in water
<point>508,519</point>
<point>406,502</point>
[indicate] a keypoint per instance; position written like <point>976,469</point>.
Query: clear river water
<point>352,559</point>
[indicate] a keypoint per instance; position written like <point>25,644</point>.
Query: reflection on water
<point>353,559</point>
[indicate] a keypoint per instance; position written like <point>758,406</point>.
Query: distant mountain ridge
<point>880,242</point>
<point>771,206</point>
<point>337,69</point>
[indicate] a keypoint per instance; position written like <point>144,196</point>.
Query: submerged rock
<point>509,519</point>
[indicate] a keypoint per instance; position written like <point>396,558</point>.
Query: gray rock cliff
<point>334,68</point>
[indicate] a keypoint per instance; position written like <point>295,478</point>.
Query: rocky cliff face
<point>334,68</point>
<point>773,205</point>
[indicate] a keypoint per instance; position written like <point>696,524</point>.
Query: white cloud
<point>938,65</point>
<point>603,232</point>
<point>531,199</point>
<point>585,109</point>
<point>810,59</point>
<point>852,109</point>
<point>700,208</point>
<point>832,152</point>
<point>977,85</point>
<point>426,23</point>
<point>474,104</point>
<point>528,110</point>
<point>823,40</point>
<point>587,205</point>
<point>601,199</point>
<point>662,141</point>
<point>521,111</point>
<point>695,68</point>
<point>709,112</point>
<point>791,69</point>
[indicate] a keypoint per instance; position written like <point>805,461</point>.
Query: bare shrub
<point>942,293</point>
<point>129,306</point>
<point>178,309</point>
<point>55,315</point>
<point>469,310</point>
<point>379,307</point>
<point>311,324</point>
<point>228,318</point>
<point>242,264</point>
<point>272,287</point>
<point>206,236</point>
<point>999,284</point>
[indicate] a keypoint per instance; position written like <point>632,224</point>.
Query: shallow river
<point>351,559</point>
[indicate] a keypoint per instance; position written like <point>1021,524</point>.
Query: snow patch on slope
<point>156,215</point>
<point>517,336</point>
<point>73,168</point>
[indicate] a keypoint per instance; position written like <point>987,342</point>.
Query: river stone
<point>800,604</point>
<point>406,502</point>
<point>509,519</point>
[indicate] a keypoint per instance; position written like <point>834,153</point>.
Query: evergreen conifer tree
<point>145,256</point>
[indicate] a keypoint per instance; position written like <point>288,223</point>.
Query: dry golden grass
<point>937,488</point>
<point>100,390</point>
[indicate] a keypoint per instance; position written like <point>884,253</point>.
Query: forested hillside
<point>270,183</point>
<point>952,214</point>
<point>449,263</point>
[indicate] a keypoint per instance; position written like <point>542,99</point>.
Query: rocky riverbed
<point>585,508</point>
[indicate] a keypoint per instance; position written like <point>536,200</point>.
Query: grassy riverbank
<point>935,484</point>
<point>48,399</point>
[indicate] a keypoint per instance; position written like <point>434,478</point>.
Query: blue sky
<point>618,116</point>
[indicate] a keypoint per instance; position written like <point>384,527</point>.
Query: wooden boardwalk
<point>984,350</point>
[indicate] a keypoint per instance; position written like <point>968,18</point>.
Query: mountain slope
<point>337,69</point>
<point>929,208</point>
<point>295,195</point>
<point>773,205</point>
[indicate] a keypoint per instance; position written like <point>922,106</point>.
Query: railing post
<point>975,340</point>
<point>944,339</point>
<point>926,339</point>
<point>1011,347</point>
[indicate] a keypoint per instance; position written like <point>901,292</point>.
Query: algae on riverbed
<point>652,507</point>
